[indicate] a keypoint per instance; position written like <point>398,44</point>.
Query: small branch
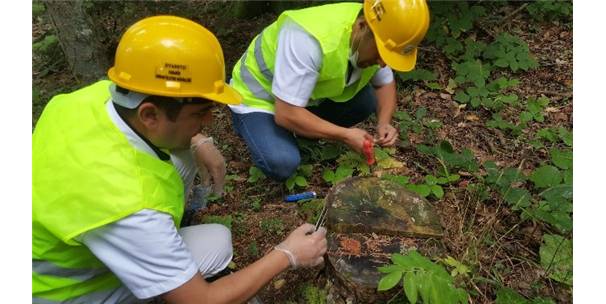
<point>515,12</point>
<point>554,93</point>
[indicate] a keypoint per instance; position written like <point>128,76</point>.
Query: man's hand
<point>210,162</point>
<point>355,138</point>
<point>386,134</point>
<point>304,249</point>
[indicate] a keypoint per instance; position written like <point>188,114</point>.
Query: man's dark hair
<point>169,105</point>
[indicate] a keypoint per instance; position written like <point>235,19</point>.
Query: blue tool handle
<point>299,196</point>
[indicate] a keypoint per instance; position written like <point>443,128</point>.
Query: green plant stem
<point>423,168</point>
<point>394,297</point>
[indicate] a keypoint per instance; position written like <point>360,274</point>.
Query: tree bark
<point>83,50</point>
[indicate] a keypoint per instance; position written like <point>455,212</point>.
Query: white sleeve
<point>145,251</point>
<point>298,62</point>
<point>382,77</point>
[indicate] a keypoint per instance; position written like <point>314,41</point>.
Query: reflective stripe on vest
<point>260,60</point>
<point>251,82</point>
<point>89,298</point>
<point>78,274</point>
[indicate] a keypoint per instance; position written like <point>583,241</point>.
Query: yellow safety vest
<point>253,73</point>
<point>85,174</point>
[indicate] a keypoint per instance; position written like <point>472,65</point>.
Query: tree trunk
<point>83,51</point>
<point>369,219</point>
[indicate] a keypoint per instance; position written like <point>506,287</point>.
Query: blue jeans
<point>274,149</point>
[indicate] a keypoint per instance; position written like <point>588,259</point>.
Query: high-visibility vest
<point>253,73</point>
<point>85,174</point>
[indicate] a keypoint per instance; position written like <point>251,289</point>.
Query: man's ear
<point>149,115</point>
<point>361,23</point>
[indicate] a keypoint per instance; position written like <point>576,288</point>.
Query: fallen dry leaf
<point>279,283</point>
<point>238,165</point>
<point>451,86</point>
<point>472,117</point>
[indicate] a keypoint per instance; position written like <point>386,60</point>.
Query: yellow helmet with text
<point>174,57</point>
<point>398,27</point>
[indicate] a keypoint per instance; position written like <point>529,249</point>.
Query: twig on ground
<point>515,12</point>
<point>554,93</point>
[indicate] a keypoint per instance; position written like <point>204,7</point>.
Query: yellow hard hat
<point>398,27</point>
<point>172,56</point>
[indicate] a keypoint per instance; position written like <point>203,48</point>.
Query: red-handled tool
<point>369,151</point>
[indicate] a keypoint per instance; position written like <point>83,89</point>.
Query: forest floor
<point>486,234</point>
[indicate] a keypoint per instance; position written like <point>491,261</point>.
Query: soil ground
<point>487,236</point>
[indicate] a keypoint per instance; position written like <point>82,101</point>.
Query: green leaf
<point>290,182</point>
<point>525,117</point>
<point>431,180</point>
<point>557,214</point>
<point>399,259</point>
<point>46,45</point>
<point>390,280</point>
<point>442,180</point>
<point>420,113</point>
<point>565,136</point>
<point>255,174</point>
<point>546,176</point>
<point>461,97</point>
<point>452,84</point>
<point>547,134</point>
<point>556,258</point>
<point>434,85</point>
<point>437,191</point>
<point>472,71</point>
<point>391,268</point>
<point>305,170</point>
<point>517,198</point>
<point>342,173</point>
<point>509,51</point>
<point>400,179</point>
<point>410,287</point>
<point>446,147</point>
<point>558,194</point>
<point>505,178</point>
<point>562,159</point>
<point>542,301</point>
<point>459,268</point>
<point>37,9</point>
<point>567,177</point>
<point>509,296</point>
<point>427,279</point>
<point>300,181</point>
<point>501,62</point>
<point>453,177</point>
<point>328,175</point>
<point>422,190</point>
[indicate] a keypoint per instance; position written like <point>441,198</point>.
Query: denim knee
<point>280,166</point>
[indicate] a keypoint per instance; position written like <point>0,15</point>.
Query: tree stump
<point>369,219</point>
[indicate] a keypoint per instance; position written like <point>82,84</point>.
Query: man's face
<point>177,134</point>
<point>367,50</point>
<point>368,53</point>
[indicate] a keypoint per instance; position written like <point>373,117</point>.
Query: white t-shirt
<point>297,67</point>
<point>144,250</point>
